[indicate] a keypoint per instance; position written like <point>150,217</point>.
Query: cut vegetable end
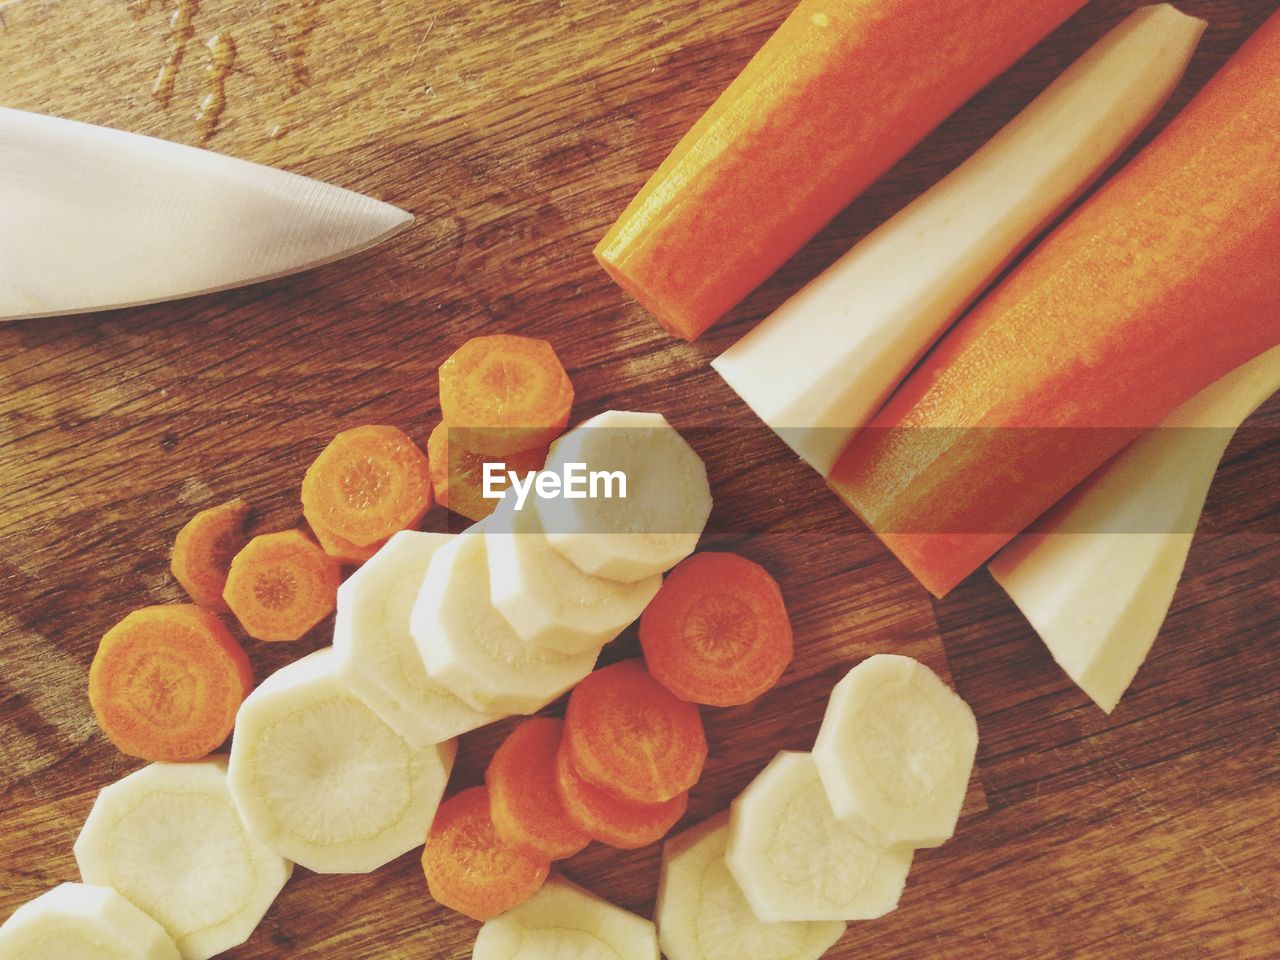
<point>1096,575</point>
<point>367,484</point>
<point>469,868</point>
<point>281,585</point>
<point>204,548</point>
<point>717,632</point>
<point>166,682</point>
<point>525,805</point>
<point>618,823</point>
<point>629,735</point>
<point>504,393</point>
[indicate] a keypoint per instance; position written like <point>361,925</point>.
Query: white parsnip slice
<point>374,651</point>
<point>667,503</point>
<point>169,839</point>
<point>895,751</point>
<point>323,780</point>
<point>80,921</point>
<point>469,647</point>
<point>544,597</point>
<point>702,914</point>
<point>564,922</point>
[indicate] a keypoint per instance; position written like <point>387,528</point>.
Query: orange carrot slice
<point>834,98</point>
<point>524,804</point>
<point>167,681</point>
<point>717,632</point>
<point>631,736</point>
<point>504,393</point>
<point>281,585</point>
<point>619,823</point>
<point>1165,280</point>
<point>469,868</point>
<point>457,474</point>
<point>344,551</point>
<point>367,484</point>
<point>203,549</point>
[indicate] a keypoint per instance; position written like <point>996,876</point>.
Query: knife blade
<point>93,218</point>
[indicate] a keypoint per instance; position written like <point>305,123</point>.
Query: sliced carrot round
<point>203,549</point>
<point>281,585</point>
<point>505,393</point>
<point>619,823</point>
<point>717,632</point>
<point>524,804</point>
<point>167,681</point>
<point>631,736</point>
<point>469,868</point>
<point>344,551</point>
<point>457,474</point>
<point>367,484</point>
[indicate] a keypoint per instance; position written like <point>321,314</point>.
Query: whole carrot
<point>834,98</point>
<point>1168,278</point>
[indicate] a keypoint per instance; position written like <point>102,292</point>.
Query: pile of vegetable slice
<point>818,839</point>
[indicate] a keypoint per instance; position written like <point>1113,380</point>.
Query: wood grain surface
<point>516,131</point>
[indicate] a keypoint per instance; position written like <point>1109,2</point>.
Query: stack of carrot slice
<point>504,398</point>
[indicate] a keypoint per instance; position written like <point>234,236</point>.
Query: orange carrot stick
<point>469,868</point>
<point>281,585</point>
<point>504,393</point>
<point>717,632</point>
<point>167,681</point>
<point>523,801</point>
<point>457,474</point>
<point>835,97</point>
<point>1164,281</point>
<point>203,549</point>
<point>629,735</point>
<point>619,823</point>
<point>367,484</point>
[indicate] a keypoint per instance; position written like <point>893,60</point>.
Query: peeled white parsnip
<point>895,751</point>
<point>79,921</point>
<point>564,922</point>
<point>547,600</point>
<point>323,780</point>
<point>1096,575</point>
<point>656,525</point>
<point>825,361</point>
<point>169,840</point>
<point>374,652</point>
<point>471,650</point>
<point>794,859</point>
<point>702,914</point>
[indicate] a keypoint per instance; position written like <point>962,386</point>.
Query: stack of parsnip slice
<point>821,365</point>
<point>1096,575</point>
<point>822,838</point>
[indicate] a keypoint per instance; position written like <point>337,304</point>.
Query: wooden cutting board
<point>516,131</point>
